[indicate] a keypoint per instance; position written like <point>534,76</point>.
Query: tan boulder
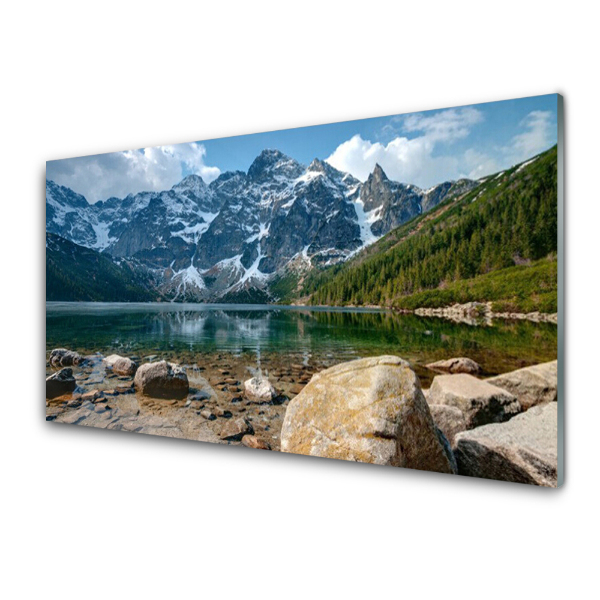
<point>121,365</point>
<point>161,380</point>
<point>479,401</point>
<point>456,365</point>
<point>368,410</point>
<point>532,385</point>
<point>523,450</point>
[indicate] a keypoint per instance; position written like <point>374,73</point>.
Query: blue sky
<point>422,148</point>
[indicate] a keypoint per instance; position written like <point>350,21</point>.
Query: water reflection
<point>337,333</point>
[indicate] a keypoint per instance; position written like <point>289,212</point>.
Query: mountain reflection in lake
<point>186,331</point>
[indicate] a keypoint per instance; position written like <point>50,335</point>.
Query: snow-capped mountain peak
<point>243,229</point>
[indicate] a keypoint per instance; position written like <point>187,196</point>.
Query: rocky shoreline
<point>470,313</point>
<point>477,313</point>
<point>188,400</point>
<point>368,410</point>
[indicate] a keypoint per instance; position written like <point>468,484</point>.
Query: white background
<point>99,514</point>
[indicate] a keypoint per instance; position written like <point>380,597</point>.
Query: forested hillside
<point>509,220</point>
<point>75,273</point>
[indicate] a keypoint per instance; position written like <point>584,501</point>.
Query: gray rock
<point>456,365</point>
<point>161,380</point>
<point>121,365</point>
<point>60,383</point>
<point>523,450</point>
<point>61,357</point>
<point>449,419</point>
<point>479,401</point>
<point>368,410</point>
<point>531,385</point>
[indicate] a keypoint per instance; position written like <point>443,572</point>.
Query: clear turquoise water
<point>321,336</point>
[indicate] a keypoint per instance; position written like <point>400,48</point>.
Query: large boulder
<point>368,410</point>
<point>121,365</point>
<point>523,450</point>
<point>531,385</point>
<point>449,419</point>
<point>259,390</point>
<point>479,401</point>
<point>61,357</point>
<point>60,383</point>
<point>456,365</point>
<point>162,380</point>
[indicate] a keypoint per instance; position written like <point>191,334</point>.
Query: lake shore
<point>222,346</point>
<point>102,398</point>
<point>221,403</point>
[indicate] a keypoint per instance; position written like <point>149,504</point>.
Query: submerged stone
<point>60,383</point>
<point>162,380</point>
<point>121,365</point>
<point>61,357</point>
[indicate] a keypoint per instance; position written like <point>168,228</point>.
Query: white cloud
<point>448,125</point>
<point>422,160</point>
<point>120,173</point>
<point>410,160</point>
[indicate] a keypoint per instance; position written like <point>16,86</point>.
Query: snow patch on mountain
<point>365,220</point>
<point>193,233</point>
<point>523,165</point>
<point>103,239</point>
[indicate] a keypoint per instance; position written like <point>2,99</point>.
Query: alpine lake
<point>221,346</point>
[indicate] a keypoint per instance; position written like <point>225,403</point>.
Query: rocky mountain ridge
<point>231,238</point>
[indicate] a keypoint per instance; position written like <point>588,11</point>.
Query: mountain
<point>239,236</point>
<point>495,242</point>
<point>389,204</point>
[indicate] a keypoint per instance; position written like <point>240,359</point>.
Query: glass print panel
<point>381,291</point>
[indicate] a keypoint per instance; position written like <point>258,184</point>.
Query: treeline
<point>508,220</point>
